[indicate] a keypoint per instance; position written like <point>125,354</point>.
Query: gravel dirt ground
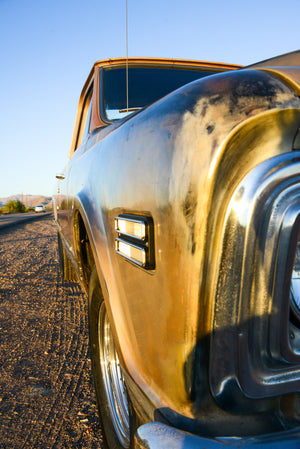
<point>46,390</point>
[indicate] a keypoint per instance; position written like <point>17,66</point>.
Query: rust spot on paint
<point>189,209</point>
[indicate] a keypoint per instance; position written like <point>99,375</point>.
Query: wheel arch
<point>87,258</point>
<point>83,247</point>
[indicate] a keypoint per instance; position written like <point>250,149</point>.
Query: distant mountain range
<point>28,200</point>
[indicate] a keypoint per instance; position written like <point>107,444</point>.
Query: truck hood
<point>286,67</point>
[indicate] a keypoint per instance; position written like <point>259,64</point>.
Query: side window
<point>85,119</point>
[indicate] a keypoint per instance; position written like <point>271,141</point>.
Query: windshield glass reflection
<point>145,85</point>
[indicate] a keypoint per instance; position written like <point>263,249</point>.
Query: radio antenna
<point>127,55</point>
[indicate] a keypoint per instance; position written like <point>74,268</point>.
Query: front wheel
<point>113,402</point>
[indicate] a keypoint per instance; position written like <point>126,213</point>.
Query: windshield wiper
<point>129,109</point>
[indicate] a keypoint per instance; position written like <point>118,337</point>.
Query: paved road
<point>46,390</point>
<point>9,220</point>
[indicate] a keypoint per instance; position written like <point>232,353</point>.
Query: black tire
<point>116,411</point>
<point>66,268</point>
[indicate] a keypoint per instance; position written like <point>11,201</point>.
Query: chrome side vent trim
<point>135,239</point>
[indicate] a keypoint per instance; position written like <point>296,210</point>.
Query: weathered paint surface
<point>180,162</point>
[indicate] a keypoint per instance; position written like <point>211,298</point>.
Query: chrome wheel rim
<point>113,380</point>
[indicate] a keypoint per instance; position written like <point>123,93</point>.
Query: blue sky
<point>47,49</point>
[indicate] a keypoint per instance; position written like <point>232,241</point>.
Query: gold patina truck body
<point>181,219</point>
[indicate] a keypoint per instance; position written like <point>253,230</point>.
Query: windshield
<point>145,85</point>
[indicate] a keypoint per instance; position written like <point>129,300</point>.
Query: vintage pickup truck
<point>179,212</point>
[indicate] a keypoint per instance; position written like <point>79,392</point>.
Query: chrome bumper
<point>160,436</point>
